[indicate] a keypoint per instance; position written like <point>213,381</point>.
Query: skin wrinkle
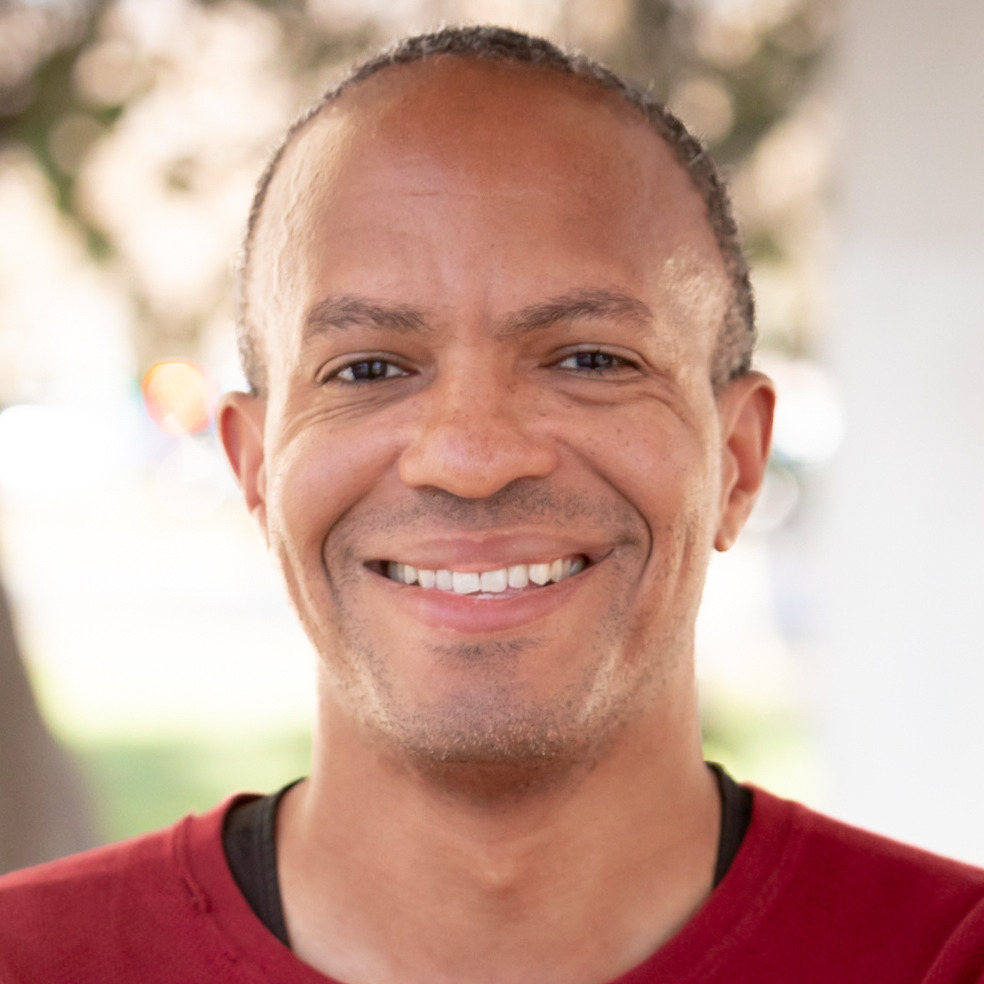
<point>526,739</point>
<point>511,506</point>
<point>517,502</point>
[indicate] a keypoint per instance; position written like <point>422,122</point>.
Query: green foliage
<point>762,67</point>
<point>140,786</point>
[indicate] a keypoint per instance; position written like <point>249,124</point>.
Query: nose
<point>476,433</point>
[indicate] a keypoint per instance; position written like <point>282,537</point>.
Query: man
<point>497,329</point>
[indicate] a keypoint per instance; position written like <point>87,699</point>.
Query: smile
<point>494,582</point>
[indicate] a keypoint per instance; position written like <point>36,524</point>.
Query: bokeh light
<point>179,397</point>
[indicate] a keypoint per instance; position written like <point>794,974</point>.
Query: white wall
<point>901,653</point>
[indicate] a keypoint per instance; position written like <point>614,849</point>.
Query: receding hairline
<point>495,47</point>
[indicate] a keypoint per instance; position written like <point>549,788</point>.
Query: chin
<point>493,745</point>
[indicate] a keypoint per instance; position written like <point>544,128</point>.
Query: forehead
<point>501,162</point>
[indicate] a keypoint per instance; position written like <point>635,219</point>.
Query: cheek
<point>660,465</point>
<point>318,478</point>
<point>669,475</point>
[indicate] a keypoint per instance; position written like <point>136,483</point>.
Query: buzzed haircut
<point>736,339</point>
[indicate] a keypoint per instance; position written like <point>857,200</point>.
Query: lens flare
<point>179,397</point>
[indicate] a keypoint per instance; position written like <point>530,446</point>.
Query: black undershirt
<point>248,838</point>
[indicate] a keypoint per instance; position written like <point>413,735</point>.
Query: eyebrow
<point>335,314</point>
<point>588,303</point>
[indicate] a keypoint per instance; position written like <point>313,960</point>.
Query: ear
<point>745,411</point>
<point>239,421</point>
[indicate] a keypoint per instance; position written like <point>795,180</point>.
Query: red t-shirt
<point>806,901</point>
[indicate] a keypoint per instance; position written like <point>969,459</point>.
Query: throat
<point>495,787</point>
<point>514,891</point>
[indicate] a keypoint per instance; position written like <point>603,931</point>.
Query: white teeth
<point>465,583</point>
<point>516,576</point>
<point>495,581</point>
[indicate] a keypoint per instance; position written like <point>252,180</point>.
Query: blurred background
<point>149,664</point>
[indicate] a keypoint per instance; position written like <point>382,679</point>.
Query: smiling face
<point>490,462</point>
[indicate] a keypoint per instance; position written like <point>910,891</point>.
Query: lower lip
<point>477,615</point>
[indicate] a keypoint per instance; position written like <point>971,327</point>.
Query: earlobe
<point>745,410</point>
<point>239,421</point>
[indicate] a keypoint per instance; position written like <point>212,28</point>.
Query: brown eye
<point>593,360</point>
<point>368,371</point>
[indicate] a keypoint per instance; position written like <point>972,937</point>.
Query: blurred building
<point>901,634</point>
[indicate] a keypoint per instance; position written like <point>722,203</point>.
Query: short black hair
<point>736,340</point>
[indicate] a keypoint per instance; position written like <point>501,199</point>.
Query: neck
<point>492,873</point>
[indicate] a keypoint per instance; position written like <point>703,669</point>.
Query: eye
<point>366,371</point>
<point>594,361</point>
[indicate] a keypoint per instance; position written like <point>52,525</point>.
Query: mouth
<point>497,582</point>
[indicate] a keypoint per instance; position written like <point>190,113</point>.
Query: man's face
<point>490,463</point>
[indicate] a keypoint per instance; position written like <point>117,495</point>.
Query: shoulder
<point>841,856</point>
<point>890,911</point>
<point>98,909</point>
<point>100,873</point>
<point>813,900</point>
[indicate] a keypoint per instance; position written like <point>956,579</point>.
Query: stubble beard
<point>493,737</point>
<point>494,740</point>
